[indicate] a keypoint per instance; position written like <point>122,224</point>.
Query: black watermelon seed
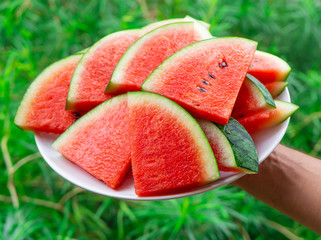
<point>201,89</point>
<point>224,64</point>
<point>205,82</point>
<point>76,115</point>
<point>211,75</point>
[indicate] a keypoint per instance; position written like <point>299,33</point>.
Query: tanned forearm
<point>289,181</point>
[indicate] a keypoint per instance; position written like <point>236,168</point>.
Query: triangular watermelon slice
<point>151,50</point>
<point>95,69</point>
<point>99,141</point>
<point>260,120</point>
<point>42,108</point>
<point>205,77</point>
<point>170,152</point>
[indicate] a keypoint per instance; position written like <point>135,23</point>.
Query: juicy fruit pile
<point>183,73</point>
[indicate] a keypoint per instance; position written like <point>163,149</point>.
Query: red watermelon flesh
<point>87,88</point>
<point>268,68</point>
<point>99,141</point>
<point>205,77</point>
<point>42,108</point>
<point>260,120</point>
<point>170,152</point>
<point>150,51</point>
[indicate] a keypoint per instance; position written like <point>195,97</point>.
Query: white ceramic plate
<point>265,142</point>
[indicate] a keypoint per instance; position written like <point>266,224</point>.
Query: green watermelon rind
<point>210,164</point>
<point>218,135</point>
<point>85,120</point>
<point>242,145</point>
<point>286,109</point>
<point>230,157</point>
<point>34,87</point>
<point>262,92</point>
<point>205,24</point>
<point>82,51</point>
<point>149,81</point>
<point>261,98</point>
<point>76,78</point>
<point>114,83</point>
<point>187,18</point>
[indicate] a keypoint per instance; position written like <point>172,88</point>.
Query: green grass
<point>35,203</point>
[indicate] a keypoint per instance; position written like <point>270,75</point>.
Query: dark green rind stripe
<point>242,145</point>
<point>265,93</point>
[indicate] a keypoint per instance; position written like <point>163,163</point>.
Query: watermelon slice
<point>264,119</point>
<point>275,88</point>
<point>170,152</point>
<point>205,77</point>
<point>95,69</point>
<point>99,141</point>
<point>253,97</point>
<point>269,68</point>
<point>42,108</point>
<point>151,50</point>
<point>233,147</point>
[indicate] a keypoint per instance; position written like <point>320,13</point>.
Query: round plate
<point>265,141</point>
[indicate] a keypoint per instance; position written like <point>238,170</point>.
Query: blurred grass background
<point>35,203</point>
